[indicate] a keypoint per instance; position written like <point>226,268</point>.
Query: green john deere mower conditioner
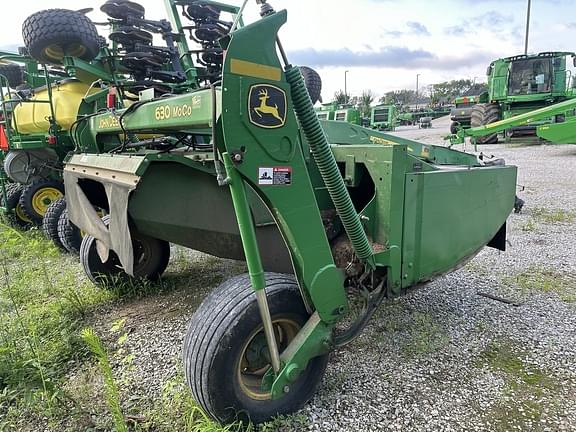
<point>240,167</point>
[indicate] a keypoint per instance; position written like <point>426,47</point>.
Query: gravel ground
<point>442,357</point>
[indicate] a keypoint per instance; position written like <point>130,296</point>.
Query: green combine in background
<point>348,114</point>
<point>384,117</point>
<point>326,111</point>
<point>519,85</point>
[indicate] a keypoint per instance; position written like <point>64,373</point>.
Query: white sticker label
<point>276,176</point>
<point>265,176</point>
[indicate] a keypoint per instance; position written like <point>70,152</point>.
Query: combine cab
<point>521,84</point>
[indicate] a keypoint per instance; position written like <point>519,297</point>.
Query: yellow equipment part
<point>31,118</point>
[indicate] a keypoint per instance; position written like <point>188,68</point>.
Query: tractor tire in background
<point>69,234</point>
<point>151,257</point>
<point>52,34</point>
<point>16,216</point>
<point>13,74</point>
<point>37,197</point>
<point>226,356</point>
<point>484,114</point>
<point>50,221</point>
<point>453,128</point>
<point>313,83</point>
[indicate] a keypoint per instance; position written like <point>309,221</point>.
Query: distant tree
<point>340,98</point>
<point>445,92</point>
<point>399,97</point>
<point>365,102</point>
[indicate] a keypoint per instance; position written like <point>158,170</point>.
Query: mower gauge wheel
<point>226,355</point>
<point>151,257</point>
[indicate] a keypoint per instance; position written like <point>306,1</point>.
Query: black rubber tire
<point>454,128</point>
<point>29,194</point>
<point>13,193</point>
<point>108,273</point>
<point>483,114</point>
<point>13,74</point>
<point>69,234</point>
<point>214,343</point>
<point>50,221</point>
<point>51,34</point>
<point>313,83</point>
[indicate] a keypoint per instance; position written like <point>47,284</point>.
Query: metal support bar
<point>519,120</point>
<point>253,260</point>
<point>268,330</point>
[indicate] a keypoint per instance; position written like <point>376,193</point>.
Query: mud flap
<point>116,235</point>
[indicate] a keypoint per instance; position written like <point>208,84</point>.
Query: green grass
<point>42,305</point>
<point>415,332</point>
<point>546,215</point>
<point>529,393</point>
<point>48,377</point>
<point>546,280</point>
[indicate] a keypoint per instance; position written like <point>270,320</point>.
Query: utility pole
<point>345,87</point>
<point>527,26</point>
<point>417,77</point>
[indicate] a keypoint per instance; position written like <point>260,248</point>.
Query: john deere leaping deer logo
<point>267,106</point>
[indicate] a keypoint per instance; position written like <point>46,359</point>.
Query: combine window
<point>341,116</point>
<point>530,76</point>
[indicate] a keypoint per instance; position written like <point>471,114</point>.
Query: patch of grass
<point>529,226</point>
<point>545,215</point>
<point>546,280</point>
<point>291,423</point>
<point>110,384</point>
<point>416,332</point>
<point>425,335</point>
<point>529,392</point>
<point>42,304</point>
<point>177,411</point>
<point>48,380</point>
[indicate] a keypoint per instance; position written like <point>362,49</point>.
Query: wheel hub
<point>43,198</point>
<point>254,360</point>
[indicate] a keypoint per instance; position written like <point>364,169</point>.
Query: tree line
<point>435,94</point>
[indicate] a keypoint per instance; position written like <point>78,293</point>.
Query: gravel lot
<point>443,357</point>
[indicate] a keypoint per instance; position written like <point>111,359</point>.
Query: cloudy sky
<point>385,43</point>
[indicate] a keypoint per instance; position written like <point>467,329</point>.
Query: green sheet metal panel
<point>449,215</point>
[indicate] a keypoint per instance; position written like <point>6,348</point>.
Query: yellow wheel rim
<point>253,363</point>
<point>55,52</point>
<point>21,215</point>
<point>43,198</point>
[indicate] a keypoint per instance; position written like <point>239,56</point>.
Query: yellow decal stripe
<point>241,67</point>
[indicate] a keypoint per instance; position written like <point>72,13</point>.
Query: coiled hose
<point>327,165</point>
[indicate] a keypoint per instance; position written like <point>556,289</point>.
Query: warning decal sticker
<point>275,176</point>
